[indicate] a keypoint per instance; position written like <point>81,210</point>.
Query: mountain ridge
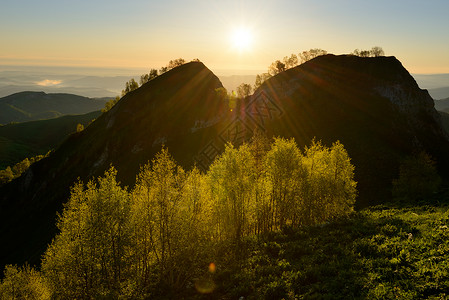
<point>28,139</point>
<point>372,105</point>
<point>30,106</point>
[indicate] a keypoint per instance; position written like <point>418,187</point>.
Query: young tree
<point>6,175</point>
<point>153,74</point>
<point>79,127</point>
<point>161,224</point>
<point>276,68</point>
<point>88,258</point>
<point>162,70</point>
<point>260,79</point>
<point>23,283</point>
<point>374,52</point>
<point>310,54</point>
<point>377,51</point>
<point>244,90</point>
<point>291,61</point>
<point>285,173</point>
<point>144,78</point>
<point>230,181</point>
<point>130,86</point>
<point>21,167</point>
<point>331,190</point>
<point>259,146</point>
<point>175,63</point>
<point>110,104</point>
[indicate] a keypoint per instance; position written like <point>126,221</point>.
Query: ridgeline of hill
<point>30,106</point>
<point>442,105</point>
<point>372,105</point>
<point>28,139</point>
<point>439,93</point>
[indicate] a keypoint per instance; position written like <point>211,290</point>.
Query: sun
<point>242,39</point>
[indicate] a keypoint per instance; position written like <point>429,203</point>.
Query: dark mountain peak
<point>377,76</point>
<point>382,68</point>
<point>179,85</point>
<point>372,105</point>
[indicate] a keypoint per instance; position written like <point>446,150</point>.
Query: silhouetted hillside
<point>372,105</point>
<point>439,93</point>
<point>28,139</point>
<point>445,120</point>
<point>29,106</point>
<point>442,105</point>
<point>163,111</point>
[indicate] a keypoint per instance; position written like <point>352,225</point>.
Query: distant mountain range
<point>230,83</point>
<point>436,84</point>
<point>439,93</point>
<point>442,105</point>
<point>28,139</point>
<point>29,106</point>
<point>86,82</point>
<point>373,106</point>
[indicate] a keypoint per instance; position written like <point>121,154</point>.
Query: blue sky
<point>145,34</point>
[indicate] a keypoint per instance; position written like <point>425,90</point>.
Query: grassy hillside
<point>29,106</point>
<point>378,253</point>
<point>18,141</point>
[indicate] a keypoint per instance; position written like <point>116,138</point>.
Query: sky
<point>147,34</point>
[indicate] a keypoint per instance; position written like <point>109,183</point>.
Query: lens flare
<point>242,39</point>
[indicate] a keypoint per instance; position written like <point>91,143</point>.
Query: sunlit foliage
<point>89,258</point>
<point>79,127</point>
<point>23,283</point>
<point>18,169</point>
<point>162,234</point>
<point>231,180</point>
<point>168,215</point>
<point>260,79</point>
<point>110,104</point>
<point>244,90</point>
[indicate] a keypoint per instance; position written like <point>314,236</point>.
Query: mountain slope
<point>28,139</point>
<point>372,105</point>
<point>445,120</point>
<point>442,105</point>
<point>29,106</point>
<point>439,93</point>
<point>162,111</point>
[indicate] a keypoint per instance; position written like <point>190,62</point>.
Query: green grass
<point>377,253</point>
